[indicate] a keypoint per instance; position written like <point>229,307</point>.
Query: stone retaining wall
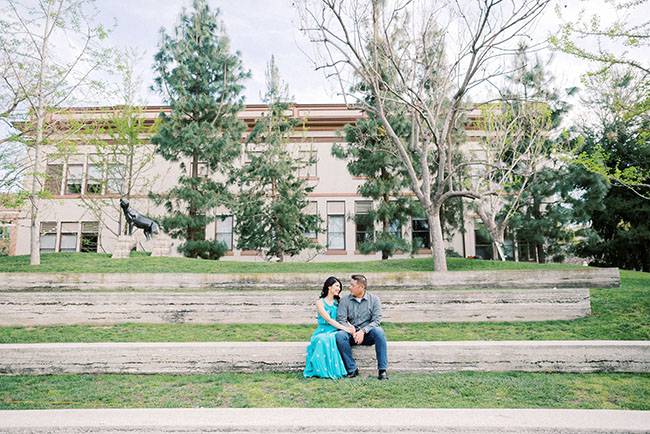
<point>562,278</point>
<point>286,307</point>
<point>421,357</point>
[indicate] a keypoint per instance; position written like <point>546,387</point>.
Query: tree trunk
<point>541,257</point>
<point>35,240</point>
<point>435,237</point>
<point>35,233</point>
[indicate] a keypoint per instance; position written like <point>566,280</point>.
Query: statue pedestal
<point>161,246</point>
<point>124,245</point>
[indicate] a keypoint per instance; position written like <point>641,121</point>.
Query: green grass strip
<point>142,263</point>
<point>617,314</point>
<point>452,390</point>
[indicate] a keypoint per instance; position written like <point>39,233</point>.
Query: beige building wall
<point>69,223</point>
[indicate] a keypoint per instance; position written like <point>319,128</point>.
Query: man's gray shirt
<point>362,314</point>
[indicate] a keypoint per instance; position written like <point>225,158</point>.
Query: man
<point>363,311</point>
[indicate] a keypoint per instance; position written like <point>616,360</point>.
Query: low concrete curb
<point>285,307</point>
<point>561,278</point>
<point>324,420</point>
<point>420,357</point>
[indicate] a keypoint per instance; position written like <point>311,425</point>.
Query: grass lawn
<point>453,390</point>
<point>142,263</point>
<point>617,313</point>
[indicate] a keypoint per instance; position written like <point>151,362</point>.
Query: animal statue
<point>134,218</point>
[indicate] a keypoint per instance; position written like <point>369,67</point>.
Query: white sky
<point>260,28</point>
<point>257,28</point>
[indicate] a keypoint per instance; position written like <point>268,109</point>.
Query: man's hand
<point>358,336</point>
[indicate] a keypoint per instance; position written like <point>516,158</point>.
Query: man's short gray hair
<point>360,279</point>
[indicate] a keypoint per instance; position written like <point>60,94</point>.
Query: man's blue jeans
<point>376,337</point>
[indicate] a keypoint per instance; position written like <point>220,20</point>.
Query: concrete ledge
<point>563,278</point>
<point>286,307</point>
<point>324,420</point>
<point>420,357</point>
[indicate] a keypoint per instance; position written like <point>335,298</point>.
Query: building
<point>83,212</point>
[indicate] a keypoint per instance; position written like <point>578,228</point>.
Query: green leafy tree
<point>618,48</point>
<point>271,206</point>
<point>201,81</point>
<point>123,153</point>
<point>518,131</point>
<point>618,233</point>
<point>51,52</point>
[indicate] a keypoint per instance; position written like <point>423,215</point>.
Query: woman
<point>323,357</point>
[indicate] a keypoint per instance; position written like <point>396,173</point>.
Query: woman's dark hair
<point>326,287</point>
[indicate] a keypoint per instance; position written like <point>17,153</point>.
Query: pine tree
<point>270,210</point>
<point>370,154</point>
<point>201,81</point>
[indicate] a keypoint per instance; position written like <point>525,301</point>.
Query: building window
<point>69,237</point>
<point>224,230</point>
<point>115,178</point>
<point>395,229</point>
<point>336,225</point>
<point>311,209</point>
<point>89,236</point>
<point>251,154</point>
<point>364,224</point>
<point>482,241</point>
<point>5,238</point>
<point>421,233</point>
<point>308,163</point>
<point>202,169</point>
<point>54,177</point>
<point>94,179</point>
<point>74,179</point>
<point>48,237</point>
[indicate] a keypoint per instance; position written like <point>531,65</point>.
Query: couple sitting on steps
<point>343,322</point>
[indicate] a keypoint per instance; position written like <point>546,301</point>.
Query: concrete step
<point>284,307</point>
<point>324,420</point>
<point>585,277</point>
<point>419,357</point>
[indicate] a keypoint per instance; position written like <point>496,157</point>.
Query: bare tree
<point>515,138</point>
<point>123,154</point>
<point>427,56</point>
<point>61,39</point>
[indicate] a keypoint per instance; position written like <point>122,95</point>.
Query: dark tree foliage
<point>619,234</point>
<point>370,154</point>
<point>271,207</point>
<point>201,81</point>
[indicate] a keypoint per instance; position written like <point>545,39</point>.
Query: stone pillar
<point>124,245</point>
<point>162,245</point>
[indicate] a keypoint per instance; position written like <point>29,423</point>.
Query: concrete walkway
<point>320,420</point>
<point>421,357</point>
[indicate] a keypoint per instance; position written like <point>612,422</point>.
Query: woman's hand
<point>349,328</point>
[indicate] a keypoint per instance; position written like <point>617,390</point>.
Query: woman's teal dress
<point>323,357</point>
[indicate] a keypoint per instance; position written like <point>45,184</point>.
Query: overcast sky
<point>257,28</point>
<point>261,28</point>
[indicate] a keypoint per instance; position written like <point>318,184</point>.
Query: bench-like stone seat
<point>586,277</point>
<point>284,307</point>
<point>323,420</point>
<point>242,357</point>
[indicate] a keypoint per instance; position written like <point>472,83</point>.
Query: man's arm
<point>342,312</point>
<point>375,313</point>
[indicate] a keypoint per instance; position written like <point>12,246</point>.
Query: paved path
<point>318,420</point>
